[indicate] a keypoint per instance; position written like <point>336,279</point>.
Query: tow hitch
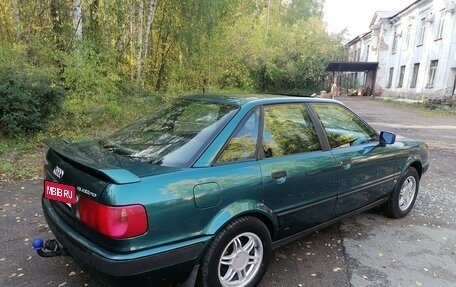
<point>50,248</point>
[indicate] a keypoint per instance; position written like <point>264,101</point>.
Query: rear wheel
<point>238,255</point>
<point>403,198</point>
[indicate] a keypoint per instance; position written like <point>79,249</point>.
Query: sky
<point>357,14</point>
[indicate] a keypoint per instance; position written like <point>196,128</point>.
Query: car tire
<point>404,195</point>
<point>238,255</point>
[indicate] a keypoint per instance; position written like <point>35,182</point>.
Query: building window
<point>407,37</point>
<point>432,72</point>
<point>395,40</point>
<point>401,77</point>
<point>421,32</point>
<point>416,68</point>
<point>390,78</point>
<point>441,25</point>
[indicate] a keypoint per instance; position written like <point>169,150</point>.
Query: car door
<point>366,170</point>
<point>299,179</point>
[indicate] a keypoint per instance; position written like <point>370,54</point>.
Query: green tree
<point>141,47</point>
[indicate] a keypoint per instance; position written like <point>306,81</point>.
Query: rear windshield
<point>173,136</point>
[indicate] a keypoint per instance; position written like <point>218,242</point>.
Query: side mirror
<point>387,138</point>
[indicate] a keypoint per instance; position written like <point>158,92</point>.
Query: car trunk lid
<point>91,169</point>
<point>89,157</point>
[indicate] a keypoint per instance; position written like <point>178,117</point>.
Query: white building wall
<point>359,51</point>
<point>404,28</point>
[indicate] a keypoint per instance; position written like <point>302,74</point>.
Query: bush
<point>26,101</point>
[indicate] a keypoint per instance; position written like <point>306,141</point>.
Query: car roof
<point>255,99</point>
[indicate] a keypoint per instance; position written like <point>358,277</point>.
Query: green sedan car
<point>201,192</point>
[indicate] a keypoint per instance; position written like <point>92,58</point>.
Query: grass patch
<point>6,167</point>
<point>425,108</point>
<point>8,145</point>
<point>22,157</point>
<point>84,119</point>
<point>21,164</point>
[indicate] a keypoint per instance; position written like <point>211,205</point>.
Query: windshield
<point>172,137</point>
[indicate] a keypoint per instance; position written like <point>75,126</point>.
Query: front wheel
<point>238,255</point>
<point>404,195</point>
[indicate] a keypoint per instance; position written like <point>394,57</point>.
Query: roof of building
<point>357,38</point>
<point>405,9</point>
<point>382,15</point>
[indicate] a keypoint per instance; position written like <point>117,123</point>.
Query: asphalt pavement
<point>365,250</point>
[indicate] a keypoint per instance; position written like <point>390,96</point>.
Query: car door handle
<point>279,176</point>
<point>346,163</point>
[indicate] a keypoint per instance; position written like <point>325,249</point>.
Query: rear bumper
<point>173,265</point>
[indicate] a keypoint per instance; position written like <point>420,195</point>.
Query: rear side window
<point>242,146</point>
<point>343,128</point>
<point>288,130</point>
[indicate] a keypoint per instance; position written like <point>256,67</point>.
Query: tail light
<point>113,221</point>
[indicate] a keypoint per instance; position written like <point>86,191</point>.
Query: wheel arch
<point>418,166</point>
<point>415,162</point>
<point>240,209</point>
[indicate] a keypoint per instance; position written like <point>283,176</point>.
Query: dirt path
<point>437,130</point>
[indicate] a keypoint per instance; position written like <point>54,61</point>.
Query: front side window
<point>173,136</point>
<point>288,130</point>
<point>343,128</point>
